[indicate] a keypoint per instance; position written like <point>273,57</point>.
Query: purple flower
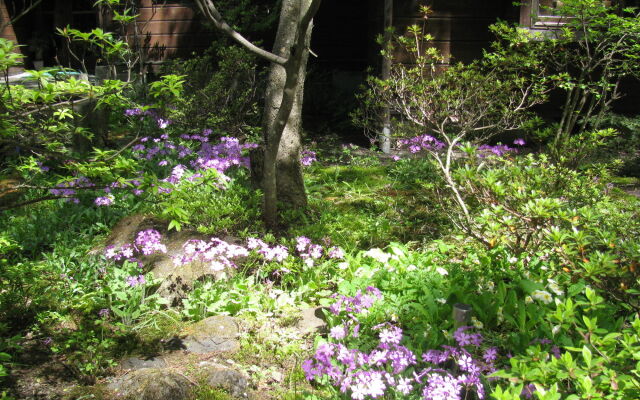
<point>315,251</point>
<point>528,391</point>
<point>466,363</point>
<point>391,335</point>
<point>441,387</point>
<point>519,142</point>
<point>336,252</point>
<point>490,354</point>
<point>465,339</point>
<point>103,313</point>
<point>308,157</point>
<point>43,168</point>
<point>134,281</point>
<point>404,385</point>
<point>148,242</point>
<point>163,123</point>
<point>302,243</point>
<point>338,332</point>
<point>435,356</point>
<point>556,351</point>
<point>104,201</point>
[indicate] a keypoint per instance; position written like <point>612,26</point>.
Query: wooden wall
<point>8,32</point>
<point>171,29</point>
<point>459,27</point>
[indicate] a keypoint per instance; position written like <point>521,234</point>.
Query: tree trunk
<point>282,175</point>
<point>287,170</point>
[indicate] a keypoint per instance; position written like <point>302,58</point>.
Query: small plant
<point>392,370</point>
<point>597,357</point>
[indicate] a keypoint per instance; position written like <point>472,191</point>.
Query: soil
<point>38,374</point>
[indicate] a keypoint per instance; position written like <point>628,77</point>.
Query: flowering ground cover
<point>460,266</point>
<point>389,285</point>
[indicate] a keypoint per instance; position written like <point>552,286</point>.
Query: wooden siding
<point>460,28</point>
<point>171,29</point>
<point>8,32</point>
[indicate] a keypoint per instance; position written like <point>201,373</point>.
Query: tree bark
<point>282,169</point>
<point>289,179</point>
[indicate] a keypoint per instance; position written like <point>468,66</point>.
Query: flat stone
<point>214,334</point>
<point>312,320</point>
<point>231,380</point>
<point>152,384</point>
<point>140,363</point>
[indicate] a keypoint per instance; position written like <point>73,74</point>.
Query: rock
<point>176,280</point>
<point>213,334</point>
<point>220,376</point>
<point>127,228</point>
<point>312,320</point>
<point>140,363</point>
<point>152,384</point>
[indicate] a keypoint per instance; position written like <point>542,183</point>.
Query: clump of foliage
<point>224,78</point>
<point>541,249</point>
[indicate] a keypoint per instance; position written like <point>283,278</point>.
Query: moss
<point>206,392</point>
<point>97,392</point>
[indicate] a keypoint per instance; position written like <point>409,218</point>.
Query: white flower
<point>477,324</point>
<point>441,300</point>
<point>411,268</point>
<point>554,287</point>
<point>543,296</point>
<point>378,255</point>
<point>216,265</point>
<point>343,265</point>
<point>555,330</point>
<point>528,300</point>
<point>512,260</point>
<point>442,271</point>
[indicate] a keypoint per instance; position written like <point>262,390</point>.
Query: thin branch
<point>211,12</point>
<point>26,203</point>
<point>19,16</point>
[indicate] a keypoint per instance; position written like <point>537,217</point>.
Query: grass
<point>366,206</point>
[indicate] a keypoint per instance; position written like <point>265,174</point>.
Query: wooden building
<point>164,29</point>
<point>344,35</point>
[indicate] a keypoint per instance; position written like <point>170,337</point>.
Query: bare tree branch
<point>211,12</point>
<point>24,12</point>
<point>26,203</point>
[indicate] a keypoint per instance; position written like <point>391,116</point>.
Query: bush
<point>222,89</point>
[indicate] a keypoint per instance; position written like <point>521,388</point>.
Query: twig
<point>26,203</point>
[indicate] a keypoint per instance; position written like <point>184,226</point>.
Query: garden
<point>494,253</point>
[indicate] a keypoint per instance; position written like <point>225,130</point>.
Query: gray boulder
<point>152,384</point>
<point>312,321</point>
<point>214,334</point>
<point>219,376</point>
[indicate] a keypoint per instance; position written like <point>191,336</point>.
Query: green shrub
<point>222,89</point>
<point>596,355</point>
